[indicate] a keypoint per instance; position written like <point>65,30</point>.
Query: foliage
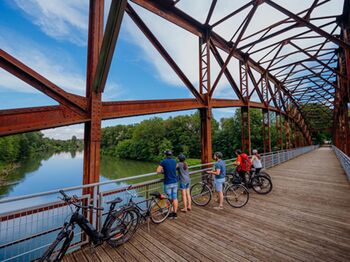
<point>17,147</point>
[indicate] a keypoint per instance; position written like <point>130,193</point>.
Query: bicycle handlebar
<point>72,200</point>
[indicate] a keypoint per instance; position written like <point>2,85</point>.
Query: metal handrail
<point>343,159</point>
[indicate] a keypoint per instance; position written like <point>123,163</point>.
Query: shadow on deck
<point>306,217</point>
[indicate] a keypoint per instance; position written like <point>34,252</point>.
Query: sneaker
<point>171,215</point>
<point>219,208</point>
<point>174,215</point>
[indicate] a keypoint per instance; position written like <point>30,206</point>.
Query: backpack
<point>246,164</point>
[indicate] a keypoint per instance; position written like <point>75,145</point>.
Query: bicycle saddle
<point>115,201</point>
<point>155,194</point>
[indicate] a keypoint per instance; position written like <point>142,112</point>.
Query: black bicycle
<point>260,182</point>
<point>118,228</point>
<point>157,208</point>
<point>236,195</point>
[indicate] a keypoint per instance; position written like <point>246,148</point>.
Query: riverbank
<point>5,171</point>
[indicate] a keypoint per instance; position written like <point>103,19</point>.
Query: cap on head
<point>255,151</point>
<point>168,152</point>
<point>181,157</point>
<point>218,155</point>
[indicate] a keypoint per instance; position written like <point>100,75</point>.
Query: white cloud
<point>59,67</point>
<point>65,132</point>
<point>65,20</point>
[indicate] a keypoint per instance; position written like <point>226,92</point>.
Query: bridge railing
<point>28,224</point>
<point>344,160</point>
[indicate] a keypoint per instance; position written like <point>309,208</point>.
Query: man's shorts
<point>219,184</point>
<point>171,191</point>
<point>184,185</point>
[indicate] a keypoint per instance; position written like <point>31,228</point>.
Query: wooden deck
<point>306,217</point>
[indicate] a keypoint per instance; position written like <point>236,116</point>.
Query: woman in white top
<point>256,160</point>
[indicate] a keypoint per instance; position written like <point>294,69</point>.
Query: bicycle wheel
<point>261,184</point>
<point>201,194</point>
<point>237,195</point>
<point>59,247</point>
<point>263,173</point>
<point>122,226</point>
<point>159,210</point>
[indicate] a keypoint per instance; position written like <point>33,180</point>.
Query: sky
<point>51,37</point>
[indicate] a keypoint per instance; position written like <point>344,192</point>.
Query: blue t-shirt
<point>220,165</point>
<point>169,167</point>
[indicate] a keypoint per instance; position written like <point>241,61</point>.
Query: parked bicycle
<point>118,227</point>
<point>260,182</point>
<point>236,195</point>
<point>157,207</point>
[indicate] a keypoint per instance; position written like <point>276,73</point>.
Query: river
<point>51,171</point>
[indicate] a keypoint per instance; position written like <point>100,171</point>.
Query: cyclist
<point>219,172</point>
<point>243,164</point>
<point>184,177</point>
<point>168,167</point>
<point>256,160</point>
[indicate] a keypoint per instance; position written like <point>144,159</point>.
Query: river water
<point>51,171</point>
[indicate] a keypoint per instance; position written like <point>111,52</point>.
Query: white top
<point>256,162</point>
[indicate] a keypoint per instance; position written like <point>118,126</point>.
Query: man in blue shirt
<point>219,172</point>
<point>168,167</point>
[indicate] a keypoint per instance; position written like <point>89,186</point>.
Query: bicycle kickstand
<point>92,249</point>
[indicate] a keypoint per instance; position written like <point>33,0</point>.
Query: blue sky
<point>50,36</point>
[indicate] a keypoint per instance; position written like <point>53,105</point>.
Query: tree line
<point>148,139</point>
<point>18,147</point>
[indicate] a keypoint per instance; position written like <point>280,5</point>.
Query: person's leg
<point>189,200</point>
<point>219,188</point>
<point>174,197</point>
<point>184,199</point>
<point>168,192</point>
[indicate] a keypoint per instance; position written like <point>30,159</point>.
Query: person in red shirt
<point>242,164</point>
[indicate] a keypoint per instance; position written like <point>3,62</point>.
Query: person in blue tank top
<point>219,172</point>
<point>168,167</point>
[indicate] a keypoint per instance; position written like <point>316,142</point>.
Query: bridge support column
<point>287,132</point>
<point>279,130</point>
<point>266,131</point>
<point>204,89</point>
<point>92,134</point>
<point>246,141</point>
<point>206,145</point>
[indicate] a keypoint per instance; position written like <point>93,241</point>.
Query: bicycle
<point>260,182</point>
<point>157,207</point>
<point>236,195</point>
<point>117,228</point>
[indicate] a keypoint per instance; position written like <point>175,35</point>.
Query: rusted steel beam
<point>154,41</point>
<point>110,37</point>
<point>306,23</point>
<point>14,121</point>
<point>233,48</point>
<point>266,130</point>
<point>233,13</point>
<point>317,60</point>
<point>226,72</point>
<point>28,75</point>
<point>245,128</point>
<point>210,13</point>
<point>206,143</point>
<point>204,66</point>
<point>144,107</point>
<point>92,129</point>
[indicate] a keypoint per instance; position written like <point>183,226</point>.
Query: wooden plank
<point>137,244</point>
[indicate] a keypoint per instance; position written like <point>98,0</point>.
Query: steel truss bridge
<point>284,83</point>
